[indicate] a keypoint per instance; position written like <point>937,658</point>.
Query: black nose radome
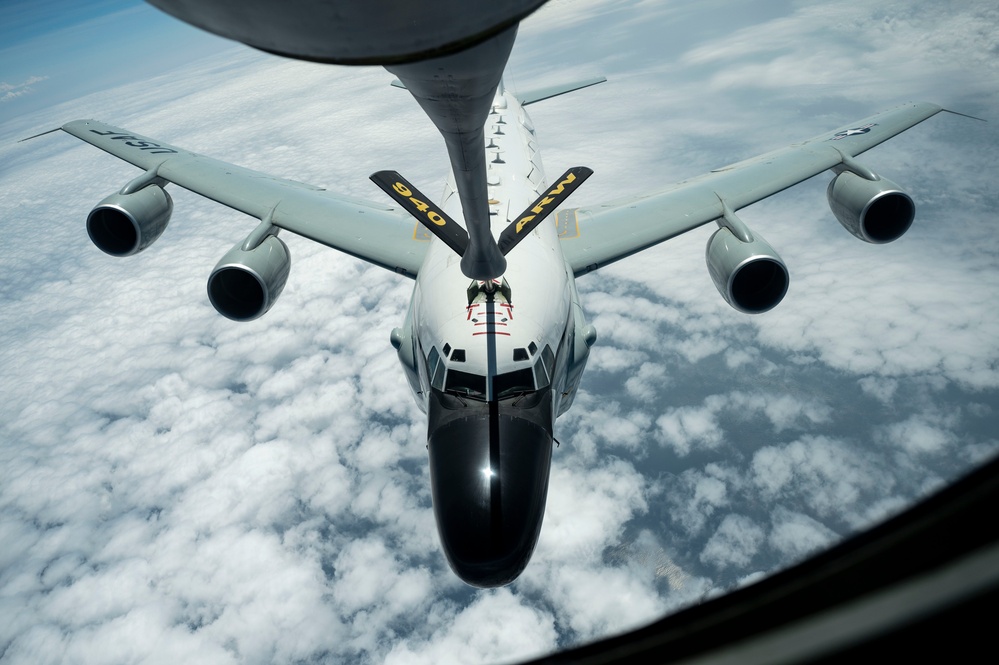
<point>489,476</point>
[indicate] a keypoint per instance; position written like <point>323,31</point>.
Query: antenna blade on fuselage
<point>423,209</point>
<point>535,213</point>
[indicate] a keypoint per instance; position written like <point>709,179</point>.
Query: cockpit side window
<point>435,369</point>
<point>549,359</point>
<point>438,380</point>
<point>433,358</point>
<point>541,378</point>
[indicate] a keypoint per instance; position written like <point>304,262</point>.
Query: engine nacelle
<point>125,224</point>
<point>749,275</point>
<point>876,211</point>
<point>246,283</point>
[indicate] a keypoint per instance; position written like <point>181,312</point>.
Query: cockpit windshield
<point>508,384</point>
<point>513,383</point>
<point>465,384</point>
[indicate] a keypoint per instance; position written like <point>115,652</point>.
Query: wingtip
<point>47,131</point>
<point>964,115</point>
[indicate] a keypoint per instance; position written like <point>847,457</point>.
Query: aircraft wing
<point>375,233</point>
<point>593,237</point>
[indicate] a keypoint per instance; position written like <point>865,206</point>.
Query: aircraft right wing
<point>375,233</point>
<point>595,236</point>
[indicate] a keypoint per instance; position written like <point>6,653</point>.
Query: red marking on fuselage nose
<point>509,309</point>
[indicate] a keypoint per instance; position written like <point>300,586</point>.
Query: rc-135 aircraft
<point>495,341</point>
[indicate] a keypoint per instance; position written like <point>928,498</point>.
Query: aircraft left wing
<point>377,234</point>
<point>595,236</point>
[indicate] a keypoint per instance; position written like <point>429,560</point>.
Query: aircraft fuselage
<point>493,363</point>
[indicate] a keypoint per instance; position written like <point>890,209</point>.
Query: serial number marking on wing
<point>136,142</point>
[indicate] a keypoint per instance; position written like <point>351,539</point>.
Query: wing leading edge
<point>377,234</point>
<point>606,233</point>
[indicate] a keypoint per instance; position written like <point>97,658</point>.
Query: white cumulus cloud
<point>176,487</point>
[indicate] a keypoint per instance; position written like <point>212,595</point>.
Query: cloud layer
<point>175,487</point>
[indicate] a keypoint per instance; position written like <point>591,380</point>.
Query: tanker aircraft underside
<point>495,341</point>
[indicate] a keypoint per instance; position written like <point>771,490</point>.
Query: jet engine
<point>875,210</point>
<point>749,275</point>
<point>125,224</point>
<point>247,281</point>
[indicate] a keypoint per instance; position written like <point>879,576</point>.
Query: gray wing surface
<point>541,94</point>
<point>375,233</point>
<point>607,233</point>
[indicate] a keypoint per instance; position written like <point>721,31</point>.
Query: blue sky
<point>56,51</point>
<point>175,487</point>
